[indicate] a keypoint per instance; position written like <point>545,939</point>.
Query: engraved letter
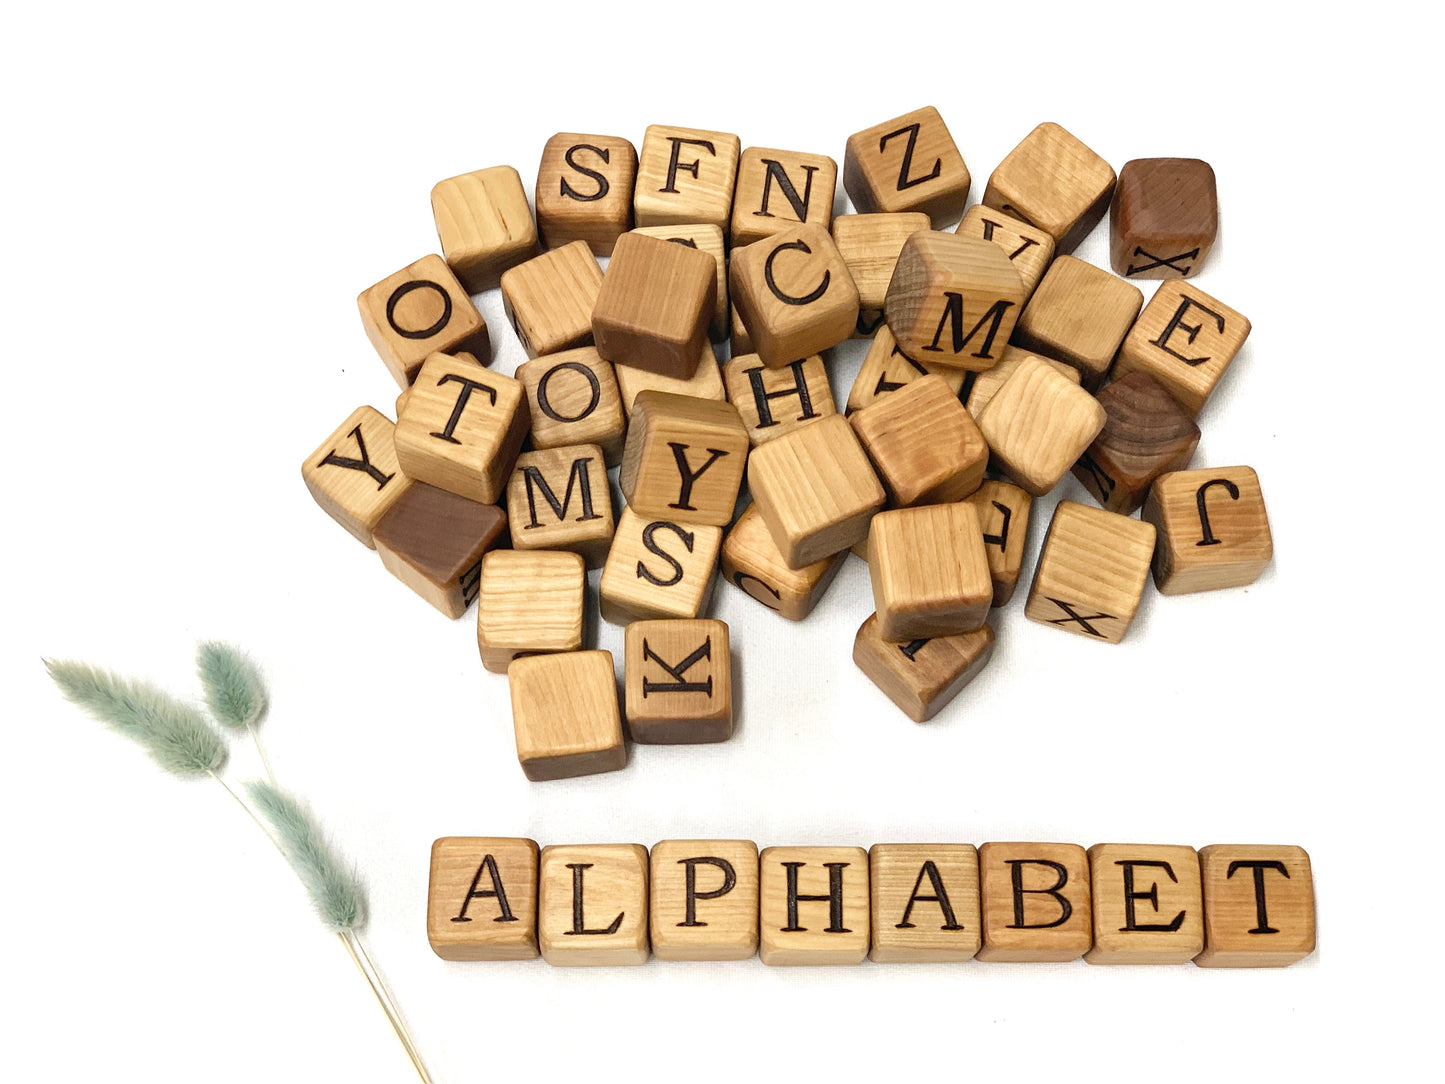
<point>1176,323</point>
<point>1065,907</point>
<point>903,180</point>
<point>953,314</point>
<point>940,897</point>
<point>1260,914</point>
<point>789,299</point>
<point>467,388</point>
<point>834,898</point>
<point>496,892</point>
<point>799,206</point>
<point>674,166</point>
<point>688,475</point>
<point>679,682</point>
<point>602,183</point>
<point>730,880</point>
<point>761,397</point>
<point>1152,896</point>
<point>545,404</point>
<point>643,572</point>
<point>362,464</point>
<point>578,477</point>
<point>1231,489</point>
<point>579,924</point>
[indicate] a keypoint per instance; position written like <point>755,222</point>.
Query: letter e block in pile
<point>433,541</point>
<point>419,311</point>
<point>592,905</point>
<point>1091,572</point>
<point>772,402</point>
<point>1185,339</point>
<point>655,304</point>
<point>1079,314</point>
<point>794,294</point>
<point>953,300</point>
<point>573,398</point>
<point>921,676</point>
<point>1038,424</point>
<point>925,446</point>
<point>1163,218</point>
<point>930,574</point>
<point>684,459</point>
<point>565,714</point>
<point>482,898</point>
<point>584,190</point>
<point>686,175</point>
<point>1029,249</point>
<point>658,568</point>
<point>886,368</point>
<point>751,562</point>
<point>704,899</point>
<point>1036,902</point>
<point>560,500</point>
<point>1053,181</point>
<point>909,163</point>
<point>1146,433</point>
<point>707,238</point>
<point>869,245</point>
<point>1213,530</point>
<point>1259,906</point>
<point>776,190</point>
<point>678,682</point>
<point>925,902</point>
<point>1003,516</point>
<point>484,224</point>
<point>550,298</point>
<point>813,905</point>
<point>354,475</point>
<point>529,604</point>
<point>1148,905</point>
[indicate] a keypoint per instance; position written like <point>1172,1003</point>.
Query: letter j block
<point>482,898</point>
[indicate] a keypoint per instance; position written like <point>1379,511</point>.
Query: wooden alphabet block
<point>778,189</point>
<point>869,245</point>
<point>1003,515</point>
<point>686,175</point>
<point>573,398</point>
<point>704,899</point>
<point>909,163</point>
<point>658,568</point>
<point>529,604</point>
<point>986,384</point>
<point>1185,339</point>
<point>739,340</point>
<point>924,445</point>
<point>1038,423</point>
<point>925,902</point>
<point>1259,906</point>
<point>405,394</point>
<point>484,224</point>
<point>921,676</point>
<point>1091,572</point>
<point>592,905</point>
<point>566,716</point>
<point>550,298</point>
<point>708,238</point>
<point>1147,903</point>
<point>953,300</point>
<point>482,898</point>
<point>1028,248</point>
<point>886,368</point>
<point>540,497</point>
<point>793,293</point>
<point>1146,434</point>
<point>678,682</point>
<point>815,490</point>
<point>813,906</point>
<point>584,190</point>
<point>751,562</point>
<point>462,428</point>
<point>772,402</point>
<point>433,542</point>
<point>1053,181</point>
<point>1163,218</point>
<point>1036,902</point>
<point>655,304</point>
<point>419,311</point>
<point>705,383</point>
<point>1213,530</point>
<point>684,458</point>
<point>354,475</point>
<point>1079,314</point>
<point>930,575</point>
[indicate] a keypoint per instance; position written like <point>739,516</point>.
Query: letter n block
<point>433,542</point>
<point>684,458</point>
<point>584,190</point>
<point>354,475</point>
<point>419,311</point>
<point>925,902</point>
<point>484,224</point>
<point>529,604</point>
<point>1091,572</point>
<point>658,568</point>
<point>909,163</point>
<point>482,898</point>
<point>814,905</point>
<point>704,899</point>
<point>565,714</point>
<point>1213,530</point>
<point>921,676</point>
<point>1259,906</point>
<point>779,189</point>
<point>926,447</point>
<point>592,905</point>
<point>773,402</point>
<point>752,562</point>
<point>1036,902</point>
<point>1184,339</point>
<point>573,398</point>
<point>679,687</point>
<point>1148,906</point>
<point>1053,181</point>
<point>686,175</point>
<point>793,293</point>
<point>550,298</point>
<point>953,300</point>
<point>560,500</point>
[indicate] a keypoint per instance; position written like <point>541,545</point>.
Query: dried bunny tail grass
<point>235,692</point>
<point>333,889</point>
<point>176,736</point>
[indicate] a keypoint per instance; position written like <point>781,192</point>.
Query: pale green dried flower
<point>235,692</point>
<point>334,890</point>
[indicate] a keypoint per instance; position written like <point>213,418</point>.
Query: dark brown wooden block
<point>909,163</point>
<point>584,190</point>
<point>710,239</point>
<point>1146,433</point>
<point>921,676</point>
<point>1163,218</point>
<point>654,306</point>
<point>433,541</point>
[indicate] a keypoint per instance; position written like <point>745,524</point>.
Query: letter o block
<point>1036,902</point>
<point>953,300</point>
<point>794,294</point>
<point>419,311</point>
<point>574,398</point>
<point>684,458</point>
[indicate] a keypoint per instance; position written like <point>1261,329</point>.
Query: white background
<point>192,198</point>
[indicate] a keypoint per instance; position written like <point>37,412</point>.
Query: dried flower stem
<point>357,952</point>
<point>249,812</point>
<point>261,752</point>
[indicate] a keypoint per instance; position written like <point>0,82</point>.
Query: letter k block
<point>684,459</point>
<point>678,682</point>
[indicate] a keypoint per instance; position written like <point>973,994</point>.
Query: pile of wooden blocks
<point>997,365</point>
<point>1223,906</point>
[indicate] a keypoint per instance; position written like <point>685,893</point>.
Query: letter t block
<point>1259,906</point>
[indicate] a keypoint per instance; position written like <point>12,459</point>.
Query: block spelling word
<point>705,383</point>
<point>813,905</point>
<point>433,542</point>
<point>419,311</point>
<point>678,684</point>
<point>686,175</point>
<point>566,717</point>
<point>772,402</point>
<point>886,368</point>
<point>921,676</point>
<point>684,458</point>
<point>1163,218</point>
<point>909,163</point>
<point>529,604</point>
<point>658,568</point>
<point>655,304</point>
<point>751,562</point>
<point>869,245</point>
<point>573,398</point>
<point>1029,249</point>
<point>560,500</point>
<point>925,446</point>
<point>354,475</point>
<point>1053,181</point>
<point>1038,423</point>
<point>779,189</point>
<point>1091,572</point>
<point>481,899</point>
<point>1036,902</point>
<point>1146,433</point>
<point>929,572</point>
<point>592,905</point>
<point>550,298</point>
<point>1003,516</point>
<point>1185,339</point>
<point>953,300</point>
<point>1079,314</point>
<point>484,224</point>
<point>584,190</point>
<point>793,293</point>
<point>986,384</point>
<point>1148,906</point>
<point>925,902</point>
<point>1213,530</point>
<point>1259,906</point>
<point>708,238</point>
<point>704,899</point>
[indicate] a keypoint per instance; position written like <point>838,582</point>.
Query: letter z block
<point>560,500</point>
<point>584,190</point>
<point>679,687</point>
<point>655,304</point>
<point>1259,906</point>
<point>1053,181</point>
<point>354,475</point>
<point>1036,902</point>
<point>953,300</point>
<point>433,542</point>
<point>1163,218</point>
<point>484,224</point>
<point>529,604</point>
<point>592,905</point>
<point>1091,572</point>
<point>925,902</point>
<point>684,458</point>
<point>1184,339</point>
<point>1148,905</point>
<point>566,716</point>
<point>658,569</point>
<point>751,562</point>
<point>813,906</point>
<point>1213,530</point>
<point>686,175</point>
<point>921,676</point>
<point>909,163</point>
<point>794,294</point>
<point>704,899</point>
<point>550,298</point>
<point>419,311</point>
<point>482,898</point>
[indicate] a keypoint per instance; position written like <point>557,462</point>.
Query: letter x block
<point>550,298</point>
<point>484,224</point>
<point>1053,181</point>
<point>419,311</point>
<point>354,475</point>
<point>779,189</point>
<point>573,398</point>
<point>565,715</point>
<point>529,604</point>
<point>793,293</point>
<point>1003,516</point>
<point>678,683</point>
<point>1079,314</point>
<point>751,562</point>
<point>1038,424</point>
<point>921,676</point>
<point>433,542</point>
<point>482,898</point>
<point>929,571</point>
<point>685,458</point>
<point>658,568</point>
<point>1091,572</point>
<point>953,300</point>
<point>870,245</point>
<point>886,368</point>
<point>1029,249</point>
<point>909,163</point>
<point>655,304</point>
<point>704,899</point>
<point>1146,434</point>
<point>592,905</point>
<point>1148,906</point>
<point>559,499</point>
<point>1185,339</point>
<point>686,175</point>
<point>813,905</point>
<point>1036,902</point>
<point>773,402</point>
<point>925,445</point>
<point>584,190</point>
<point>1259,906</point>
<point>925,902</point>
<point>1213,530</point>
<point>1163,218</point>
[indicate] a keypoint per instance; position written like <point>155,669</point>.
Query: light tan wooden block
<point>566,716</point>
<point>705,383</point>
<point>925,902</point>
<point>869,245</point>
<point>772,402</point>
<point>1213,529</point>
<point>419,311</point>
<point>813,905</point>
<point>794,294</point>
<point>678,682</point>
<point>550,298</point>
<point>778,189</point>
<point>1079,314</point>
<point>986,384</point>
<point>1147,902</point>
<point>886,368</point>
<point>752,563</point>
<point>1028,248</point>
<point>1036,903</point>
<point>684,458</point>
<point>529,604</point>
<point>739,340</point>
<point>484,224</point>
<point>1091,572</point>
<point>405,394</point>
<point>1053,181</point>
<point>353,475</point>
<point>704,899</point>
<point>573,398</point>
<point>559,499</point>
<point>909,163</point>
<point>584,190</point>
<point>655,304</point>
<point>921,676</point>
<point>1185,339</point>
<point>1146,433</point>
<point>953,300</point>
<point>925,446</point>
<point>815,490</point>
<point>1003,515</point>
<point>929,572</point>
<point>658,568</point>
<point>482,898</point>
<point>592,905</point>
<point>1038,423</point>
<point>705,237</point>
<point>1259,906</point>
<point>433,542</point>
<point>462,428</point>
<point>686,175</point>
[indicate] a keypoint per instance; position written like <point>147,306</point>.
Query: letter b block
<point>592,905</point>
<point>794,294</point>
<point>814,905</point>
<point>1036,903</point>
<point>1259,906</point>
<point>679,688</point>
<point>953,300</point>
<point>684,458</point>
<point>704,899</point>
<point>482,898</point>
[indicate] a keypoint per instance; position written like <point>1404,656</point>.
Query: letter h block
<point>678,683</point>
<point>560,500</point>
<point>482,898</point>
<point>773,402</point>
<point>1259,906</point>
<point>704,899</point>
<point>953,301</point>
<point>684,458</point>
<point>592,905</point>
<point>814,905</point>
<point>1036,902</point>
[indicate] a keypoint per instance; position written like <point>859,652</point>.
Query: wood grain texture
<point>1259,906</point>
<point>925,446</point>
<point>777,189</point>
<point>793,293</point>
<point>1028,248</point>
<point>419,311</point>
<point>986,384</point>
<point>549,299</point>
<point>708,238</point>
<point>925,902</point>
<point>739,341</point>
<point>909,163</point>
<point>1147,902</point>
<point>1038,423</point>
<point>684,458</point>
<point>752,563</point>
<point>582,892</point>
<point>658,568</point>
<point>772,402</point>
<point>484,224</point>
<point>1036,902</point>
<point>353,474</point>
<point>795,930</point>
<point>560,500</point>
<point>1185,339</point>
<point>1213,530</point>
<point>574,398</point>
<point>566,716</point>
<point>953,300</point>
<point>686,175</point>
<point>717,919</point>
<point>584,190</point>
<point>1003,516</point>
<point>1091,572</point>
<point>706,381</point>
<point>929,572</point>
<point>482,898</point>
<point>1146,433</point>
<point>1051,180</point>
<point>1163,218</point>
<point>869,245</point>
<point>921,676</point>
<point>678,687</point>
<point>1079,314</point>
<point>886,368</point>
<point>529,603</point>
<point>655,304</point>
<point>433,542</point>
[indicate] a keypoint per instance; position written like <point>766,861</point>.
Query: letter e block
<point>1029,249</point>
<point>953,300</point>
<point>869,245</point>
<point>684,458</point>
<point>926,447</point>
<point>1213,530</point>
<point>1163,218</point>
<point>1148,907</point>
<point>1146,433</point>
<point>655,304</point>
<point>814,905</point>
<point>1003,516</point>
<point>573,398</point>
<point>909,163</point>
<point>584,190</point>
<point>679,687</point>
<point>419,311</point>
<point>1259,906</point>
<point>484,224</point>
<point>925,902</point>
<point>1053,181</point>
<point>929,572</point>
<point>751,562</point>
<point>686,175</point>
<point>560,500</point>
<point>1079,314</point>
<point>921,676</point>
<point>704,899</point>
<point>354,475</point>
<point>1185,339</point>
<point>550,298</point>
<point>1038,424</point>
<point>1091,572</point>
<point>794,294</point>
<point>772,402</point>
<point>658,569</point>
<point>529,604</point>
<point>779,189</point>
<point>592,905</point>
<point>482,898</point>
<point>566,716</point>
<point>1036,903</point>
<point>433,542</point>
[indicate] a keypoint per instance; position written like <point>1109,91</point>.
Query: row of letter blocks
<point>614,904</point>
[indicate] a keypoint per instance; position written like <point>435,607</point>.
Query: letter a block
<point>926,447</point>
<point>1053,181</point>
<point>684,458</point>
<point>1163,218</point>
<point>773,402</point>
<point>751,562</point>
<point>909,163</point>
<point>658,568</point>
<point>1036,903</point>
<point>814,905</point>
<point>925,902</point>
<point>529,604</point>
<point>584,190</point>
<point>560,500</point>
<point>592,905</point>
<point>686,175</point>
<point>1213,530</point>
<point>482,898</point>
<point>573,398</point>
<point>565,714</point>
<point>679,688</point>
<point>419,311</point>
<point>704,899</point>
<point>433,542</point>
<point>655,304</point>
<point>550,298</point>
<point>1091,572</point>
<point>1185,339</point>
<point>776,190</point>
<point>484,224</point>
<point>794,294</point>
<point>1148,906</point>
<point>953,300</point>
<point>921,676</point>
<point>886,368</point>
<point>354,475</point>
<point>1259,906</point>
<point>1079,314</point>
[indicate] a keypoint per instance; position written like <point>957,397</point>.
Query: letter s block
<point>1036,902</point>
<point>794,294</point>
<point>1259,906</point>
<point>482,898</point>
<point>584,190</point>
<point>953,300</point>
<point>813,905</point>
<point>592,905</point>
<point>419,311</point>
<point>684,458</point>
<point>658,568</point>
<point>909,163</point>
